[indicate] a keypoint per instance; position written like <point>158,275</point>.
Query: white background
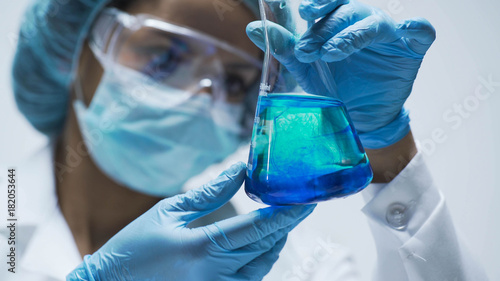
<point>463,165</point>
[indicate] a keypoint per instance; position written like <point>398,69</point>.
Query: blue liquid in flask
<point>304,150</point>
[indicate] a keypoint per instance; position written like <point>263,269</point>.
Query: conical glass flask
<point>304,147</point>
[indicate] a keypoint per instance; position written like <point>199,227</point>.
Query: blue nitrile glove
<point>159,246</point>
<point>374,61</point>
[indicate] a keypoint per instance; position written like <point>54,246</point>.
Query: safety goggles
<point>173,56</point>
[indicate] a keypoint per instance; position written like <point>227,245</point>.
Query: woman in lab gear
<point>137,97</point>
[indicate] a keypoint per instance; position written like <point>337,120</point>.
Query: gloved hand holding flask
<point>345,50</point>
<point>373,60</point>
<point>159,246</point>
<point>304,146</point>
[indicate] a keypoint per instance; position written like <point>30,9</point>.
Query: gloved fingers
<point>313,9</point>
<point>79,274</point>
<point>248,253</point>
<point>419,34</point>
<point>255,31</point>
<point>308,47</point>
<point>376,28</point>
<point>201,201</point>
<point>261,265</point>
<point>281,43</point>
<point>240,231</point>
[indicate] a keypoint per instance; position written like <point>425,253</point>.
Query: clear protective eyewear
<point>174,56</point>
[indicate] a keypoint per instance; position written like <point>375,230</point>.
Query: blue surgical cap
<point>51,36</point>
<point>48,50</point>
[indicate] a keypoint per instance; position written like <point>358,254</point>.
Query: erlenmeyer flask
<point>304,147</point>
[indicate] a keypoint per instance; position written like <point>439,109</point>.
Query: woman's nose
<point>210,73</point>
<point>206,86</point>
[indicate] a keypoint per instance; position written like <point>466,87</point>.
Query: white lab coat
<point>413,232</point>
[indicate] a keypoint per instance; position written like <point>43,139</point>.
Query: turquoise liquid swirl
<point>304,150</point>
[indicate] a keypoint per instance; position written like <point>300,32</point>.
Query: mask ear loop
<point>77,84</point>
<point>79,91</point>
<point>96,43</point>
<point>103,30</point>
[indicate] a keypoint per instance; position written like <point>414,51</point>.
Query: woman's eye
<point>160,66</point>
<point>162,61</point>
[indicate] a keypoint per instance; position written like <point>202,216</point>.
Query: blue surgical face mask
<point>152,139</point>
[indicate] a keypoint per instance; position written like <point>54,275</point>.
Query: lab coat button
<point>397,216</point>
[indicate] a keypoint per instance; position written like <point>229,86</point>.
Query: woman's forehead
<point>222,19</point>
